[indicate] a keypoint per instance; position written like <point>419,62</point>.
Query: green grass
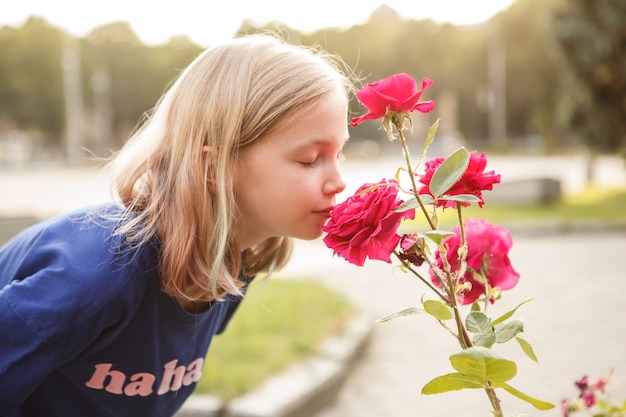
<point>589,206</point>
<point>279,322</point>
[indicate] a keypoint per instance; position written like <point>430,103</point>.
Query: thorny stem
<point>491,393</point>
<point>466,342</point>
<point>464,338</point>
<point>494,400</point>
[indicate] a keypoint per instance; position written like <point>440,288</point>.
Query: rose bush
<point>465,265</point>
<point>593,398</point>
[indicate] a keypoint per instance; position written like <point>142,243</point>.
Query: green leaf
<point>407,205</point>
<point>431,133</point>
<point>406,312</point>
<point>485,339</point>
<point>508,331</point>
<point>427,199</point>
<point>508,314</point>
<point>430,137</point>
<point>527,348</point>
<point>538,404</point>
<point>412,203</point>
<point>465,198</point>
<point>451,382</point>
<point>449,172</point>
<point>483,364</point>
<point>399,171</point>
<point>372,188</point>
<point>476,322</point>
<point>438,236</point>
<point>438,309</point>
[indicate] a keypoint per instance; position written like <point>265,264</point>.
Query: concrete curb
<point>301,389</point>
<point>556,227</point>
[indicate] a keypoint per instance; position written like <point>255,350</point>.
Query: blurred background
<point>540,85</point>
<point>537,76</point>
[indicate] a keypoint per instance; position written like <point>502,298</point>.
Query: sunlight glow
<point>208,21</point>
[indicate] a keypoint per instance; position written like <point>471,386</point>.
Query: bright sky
<point>210,21</point>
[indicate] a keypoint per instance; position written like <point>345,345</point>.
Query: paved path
<point>575,324</point>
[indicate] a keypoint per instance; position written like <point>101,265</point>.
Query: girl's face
<point>286,184</point>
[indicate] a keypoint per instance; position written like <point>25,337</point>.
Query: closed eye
<point>310,163</point>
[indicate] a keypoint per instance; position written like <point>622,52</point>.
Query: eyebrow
<point>325,141</point>
<point>318,141</point>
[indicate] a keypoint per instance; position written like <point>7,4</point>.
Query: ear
<point>209,157</point>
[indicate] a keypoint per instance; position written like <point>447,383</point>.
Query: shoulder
<point>63,284</point>
<point>76,265</point>
<point>83,241</point>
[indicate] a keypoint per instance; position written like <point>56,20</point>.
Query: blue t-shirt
<point>85,329</point>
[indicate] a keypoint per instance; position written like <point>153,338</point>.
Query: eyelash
<point>310,164</point>
<point>340,157</point>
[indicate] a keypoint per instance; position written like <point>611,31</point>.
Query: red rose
<point>487,254</point>
<point>397,93</point>
<point>473,181</point>
<point>412,249</point>
<point>365,225</point>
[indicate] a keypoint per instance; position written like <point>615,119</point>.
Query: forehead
<point>324,121</point>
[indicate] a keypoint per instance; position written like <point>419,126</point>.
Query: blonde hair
<point>229,97</point>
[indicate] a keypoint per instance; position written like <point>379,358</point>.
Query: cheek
<point>266,192</point>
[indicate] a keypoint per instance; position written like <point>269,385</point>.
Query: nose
<point>334,184</point>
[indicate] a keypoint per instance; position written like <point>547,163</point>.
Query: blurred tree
<point>533,74</point>
<point>31,88</point>
<point>136,75</point>
<point>122,78</point>
<point>116,50</point>
<point>456,57</point>
<point>592,37</point>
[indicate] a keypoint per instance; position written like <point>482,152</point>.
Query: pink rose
<point>473,181</point>
<point>365,225</point>
<point>487,254</point>
<point>589,398</point>
<point>397,93</point>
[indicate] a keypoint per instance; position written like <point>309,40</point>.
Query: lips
<point>324,212</point>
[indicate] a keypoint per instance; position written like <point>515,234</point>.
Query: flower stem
<point>463,335</point>
<point>407,157</point>
<point>407,265</point>
<point>494,400</point>
<point>464,339</point>
<point>466,342</point>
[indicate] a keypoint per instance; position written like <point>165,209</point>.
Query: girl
<point>110,311</point>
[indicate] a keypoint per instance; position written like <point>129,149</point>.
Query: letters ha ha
<point>143,383</point>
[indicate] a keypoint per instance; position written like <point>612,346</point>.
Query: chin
<point>311,236</point>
